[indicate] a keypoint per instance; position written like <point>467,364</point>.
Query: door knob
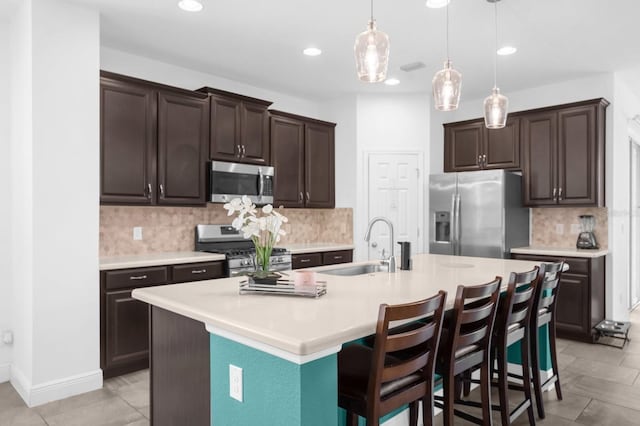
<point>374,244</point>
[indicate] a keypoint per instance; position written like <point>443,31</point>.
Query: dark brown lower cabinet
<point>124,321</point>
<point>180,370</point>
<point>581,304</point>
<point>308,260</point>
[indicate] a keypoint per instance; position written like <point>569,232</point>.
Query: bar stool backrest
<point>518,302</point>
<point>418,343</point>
<point>473,317</point>
<point>546,293</point>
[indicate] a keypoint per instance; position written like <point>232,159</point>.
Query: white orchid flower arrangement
<point>264,230</point>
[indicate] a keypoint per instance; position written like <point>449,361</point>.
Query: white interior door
<point>634,252</point>
<point>395,192</point>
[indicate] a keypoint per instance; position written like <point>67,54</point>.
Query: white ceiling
<point>260,42</point>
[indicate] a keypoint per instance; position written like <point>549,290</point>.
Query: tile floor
<point>600,384</point>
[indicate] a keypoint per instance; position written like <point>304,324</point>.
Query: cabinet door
<point>287,158</point>
<point>255,134</point>
<point>502,146</point>
<point>127,142</point>
<point>182,143</point>
<point>319,166</point>
<point>463,146</point>
<point>225,129</point>
<point>577,156</point>
<point>127,329</point>
<point>539,141</point>
<point>572,310</point>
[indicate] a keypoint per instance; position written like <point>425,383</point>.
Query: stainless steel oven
<point>233,180</point>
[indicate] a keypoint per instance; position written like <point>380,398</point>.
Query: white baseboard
<point>5,372</point>
<point>55,389</point>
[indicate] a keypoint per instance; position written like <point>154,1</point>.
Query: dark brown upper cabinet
<point>302,153</point>
<point>153,143</point>
<point>127,142</point>
<point>564,155</point>
<point>469,146</point>
<point>239,127</point>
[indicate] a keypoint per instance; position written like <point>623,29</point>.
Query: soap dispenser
<point>405,255</point>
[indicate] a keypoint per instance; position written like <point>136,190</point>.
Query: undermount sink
<point>356,270</point>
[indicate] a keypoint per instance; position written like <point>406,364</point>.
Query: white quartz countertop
<point>316,247</point>
<point>560,251</point>
<point>349,310</point>
<point>156,259</point>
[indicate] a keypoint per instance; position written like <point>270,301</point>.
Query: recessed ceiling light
<point>190,5</point>
<point>392,82</point>
<point>437,4</point>
<point>312,51</point>
<point>507,50</point>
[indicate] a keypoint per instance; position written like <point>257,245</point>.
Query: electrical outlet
<point>137,233</point>
<point>235,382</point>
<point>575,228</point>
<point>559,228</point>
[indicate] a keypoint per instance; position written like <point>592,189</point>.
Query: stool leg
<point>413,413</point>
<point>448,394</point>
<point>352,418</point>
<point>503,386</point>
<point>485,392</point>
<point>427,407</point>
<point>526,375</point>
<point>554,356</point>
<point>535,366</point>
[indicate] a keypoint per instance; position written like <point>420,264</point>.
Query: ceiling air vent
<point>412,66</point>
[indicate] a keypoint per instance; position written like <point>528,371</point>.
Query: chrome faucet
<point>391,261</point>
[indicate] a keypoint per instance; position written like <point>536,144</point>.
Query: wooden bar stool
<point>545,306</point>
<point>465,347</point>
<point>512,325</point>
<point>372,382</point>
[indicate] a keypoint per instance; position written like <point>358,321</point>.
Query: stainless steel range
<point>239,251</point>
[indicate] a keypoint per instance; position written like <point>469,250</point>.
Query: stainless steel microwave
<point>233,180</point>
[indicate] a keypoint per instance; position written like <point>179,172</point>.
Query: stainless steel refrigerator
<point>477,214</point>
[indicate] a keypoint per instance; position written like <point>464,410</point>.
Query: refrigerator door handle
<point>454,231</point>
<point>458,225</point>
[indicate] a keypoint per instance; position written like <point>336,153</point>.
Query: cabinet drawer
<point>197,271</point>
<point>138,277</point>
<point>306,260</point>
<point>333,257</point>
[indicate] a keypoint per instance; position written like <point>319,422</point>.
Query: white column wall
<point>391,123</point>
<point>55,216</point>
<point>5,210</point>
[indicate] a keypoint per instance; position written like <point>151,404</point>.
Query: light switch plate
<point>235,382</point>
<point>575,228</point>
<point>559,228</point>
<point>137,233</point>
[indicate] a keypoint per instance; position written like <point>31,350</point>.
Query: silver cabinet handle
<point>239,149</point>
<point>480,161</point>
<point>161,191</point>
<point>308,197</point>
<point>148,191</point>
<point>305,260</point>
<point>139,277</point>
<point>199,271</point>
<point>300,197</point>
<point>244,151</point>
<point>337,257</point>
<point>560,194</point>
<point>555,193</point>
<point>484,161</point>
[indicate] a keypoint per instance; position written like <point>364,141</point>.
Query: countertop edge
<point>560,251</point>
<point>156,259</point>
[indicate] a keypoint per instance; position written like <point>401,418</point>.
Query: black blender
<point>586,238</point>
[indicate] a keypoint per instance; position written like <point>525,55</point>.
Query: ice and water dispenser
<point>443,227</point>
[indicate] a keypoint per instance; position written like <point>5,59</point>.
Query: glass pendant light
<point>447,83</point>
<point>496,104</point>
<point>372,53</point>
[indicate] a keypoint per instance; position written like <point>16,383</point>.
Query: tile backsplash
<point>546,221</point>
<point>166,229</point>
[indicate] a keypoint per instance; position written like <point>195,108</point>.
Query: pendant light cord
<point>371,10</point>
<point>447,31</point>
<point>495,53</point>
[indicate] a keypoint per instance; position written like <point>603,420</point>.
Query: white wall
<point>388,123</point>
<point>5,286</point>
<point>55,205</point>
<point>174,75</point>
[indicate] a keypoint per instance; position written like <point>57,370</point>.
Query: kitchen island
<point>286,347</point>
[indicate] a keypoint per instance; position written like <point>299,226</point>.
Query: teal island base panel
<point>513,351</point>
<point>276,392</point>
